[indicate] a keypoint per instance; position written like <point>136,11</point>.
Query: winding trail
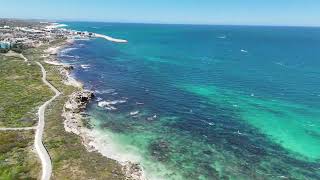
<point>41,150</point>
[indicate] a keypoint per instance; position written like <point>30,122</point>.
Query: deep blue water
<point>206,102</point>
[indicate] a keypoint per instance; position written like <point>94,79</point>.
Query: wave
<point>244,51</point>
<point>107,91</point>
<point>69,56</point>
<point>109,105</point>
<point>134,113</point>
<point>56,25</point>
<point>85,66</point>
<point>152,118</point>
<point>281,64</point>
<point>67,50</point>
<point>98,99</point>
<point>222,37</point>
<point>208,123</point>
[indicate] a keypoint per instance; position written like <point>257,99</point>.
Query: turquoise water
<point>206,102</point>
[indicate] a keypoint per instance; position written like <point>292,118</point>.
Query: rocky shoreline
<point>73,111</point>
<point>74,115</point>
<point>75,118</point>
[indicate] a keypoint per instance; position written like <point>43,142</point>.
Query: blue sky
<point>249,12</point>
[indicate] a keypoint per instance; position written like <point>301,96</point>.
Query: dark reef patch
<point>160,150</point>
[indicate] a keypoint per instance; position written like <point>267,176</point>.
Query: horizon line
<point>161,23</point>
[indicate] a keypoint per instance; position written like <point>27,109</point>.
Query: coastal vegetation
<point>18,48</point>
<point>17,161</point>
<point>21,91</point>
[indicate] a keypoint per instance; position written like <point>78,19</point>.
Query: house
<point>5,45</point>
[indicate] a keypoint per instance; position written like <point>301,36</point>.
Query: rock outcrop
<point>73,110</point>
<point>133,171</point>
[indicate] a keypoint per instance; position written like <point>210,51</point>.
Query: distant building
<point>5,45</point>
<point>5,27</point>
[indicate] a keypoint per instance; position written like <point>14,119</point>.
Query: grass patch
<point>21,92</point>
<point>17,161</point>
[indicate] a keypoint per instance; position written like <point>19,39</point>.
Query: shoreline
<point>74,112</point>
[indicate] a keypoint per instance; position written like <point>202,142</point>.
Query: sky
<point>233,12</point>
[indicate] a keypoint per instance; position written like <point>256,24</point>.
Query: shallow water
<point>205,102</point>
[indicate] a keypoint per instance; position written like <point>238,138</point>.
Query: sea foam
<point>85,66</point>
<point>109,105</point>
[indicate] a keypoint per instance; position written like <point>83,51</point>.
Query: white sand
<point>56,63</point>
<point>73,82</point>
<point>53,50</point>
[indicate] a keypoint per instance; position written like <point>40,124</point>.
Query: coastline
<point>219,132</point>
<point>75,119</point>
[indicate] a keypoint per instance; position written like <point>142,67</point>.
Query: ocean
<point>204,102</point>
